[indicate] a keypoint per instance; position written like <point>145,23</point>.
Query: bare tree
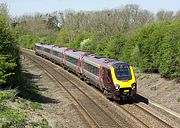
<point>165,15</point>
<point>4,10</point>
<point>177,16</point>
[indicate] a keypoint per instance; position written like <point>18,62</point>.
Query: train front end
<point>125,85</point>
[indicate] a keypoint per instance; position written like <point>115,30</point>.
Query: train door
<point>107,83</point>
<point>107,79</point>
<point>82,66</point>
<point>78,66</point>
<point>64,57</point>
<point>51,53</point>
<point>104,77</point>
<point>110,81</point>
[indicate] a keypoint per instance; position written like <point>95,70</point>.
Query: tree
<point>114,48</point>
<point>165,15</point>
<point>9,54</point>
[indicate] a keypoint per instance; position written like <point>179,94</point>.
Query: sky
<point>21,7</point>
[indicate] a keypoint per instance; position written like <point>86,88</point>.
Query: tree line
<point>128,33</point>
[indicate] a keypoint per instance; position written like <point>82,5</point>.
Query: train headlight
<point>117,86</point>
<point>133,86</point>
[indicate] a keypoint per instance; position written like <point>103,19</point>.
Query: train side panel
<point>92,72</point>
<point>47,51</point>
<point>57,55</point>
<point>71,62</point>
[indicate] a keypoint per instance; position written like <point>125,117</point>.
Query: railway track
<point>98,116</point>
<point>144,116</point>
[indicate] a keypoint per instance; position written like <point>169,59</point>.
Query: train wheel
<point>131,99</point>
<point>87,81</point>
<point>108,95</point>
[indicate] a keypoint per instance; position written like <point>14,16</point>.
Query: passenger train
<point>115,79</point>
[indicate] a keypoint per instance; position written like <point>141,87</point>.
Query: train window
<point>60,55</point>
<point>94,70</point>
<point>72,60</point>
<point>56,53</point>
<point>105,73</point>
<point>38,47</point>
<point>97,71</point>
<point>47,50</point>
<point>67,58</point>
<point>86,66</point>
<point>122,72</point>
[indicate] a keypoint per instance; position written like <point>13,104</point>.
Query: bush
<point>156,48</point>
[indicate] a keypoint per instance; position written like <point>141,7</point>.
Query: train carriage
<point>47,51</point>
<point>92,70</point>
<point>71,59</point>
<point>38,49</point>
<point>57,54</point>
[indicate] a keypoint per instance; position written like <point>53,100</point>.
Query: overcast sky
<point>20,7</point>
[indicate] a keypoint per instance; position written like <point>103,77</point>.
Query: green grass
<point>35,106</point>
<point>42,124</point>
<point>7,95</point>
<point>10,117</point>
<point>30,105</point>
<point>178,100</point>
<point>16,118</point>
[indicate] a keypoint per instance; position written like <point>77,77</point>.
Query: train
<point>116,79</point>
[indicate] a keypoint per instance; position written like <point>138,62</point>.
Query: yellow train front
<point>119,81</point>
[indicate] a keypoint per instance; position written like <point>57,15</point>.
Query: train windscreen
<point>122,72</point>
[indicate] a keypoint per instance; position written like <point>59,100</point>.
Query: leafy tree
<point>155,48</point>
<point>114,48</point>
<point>170,54</point>
<point>53,23</point>
<point>5,69</point>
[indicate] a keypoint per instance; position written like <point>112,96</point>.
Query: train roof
<point>99,60</point>
<point>92,58</point>
<point>118,62</point>
<point>38,44</point>
<point>74,53</point>
<point>60,49</point>
<point>44,45</point>
<point>48,45</point>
